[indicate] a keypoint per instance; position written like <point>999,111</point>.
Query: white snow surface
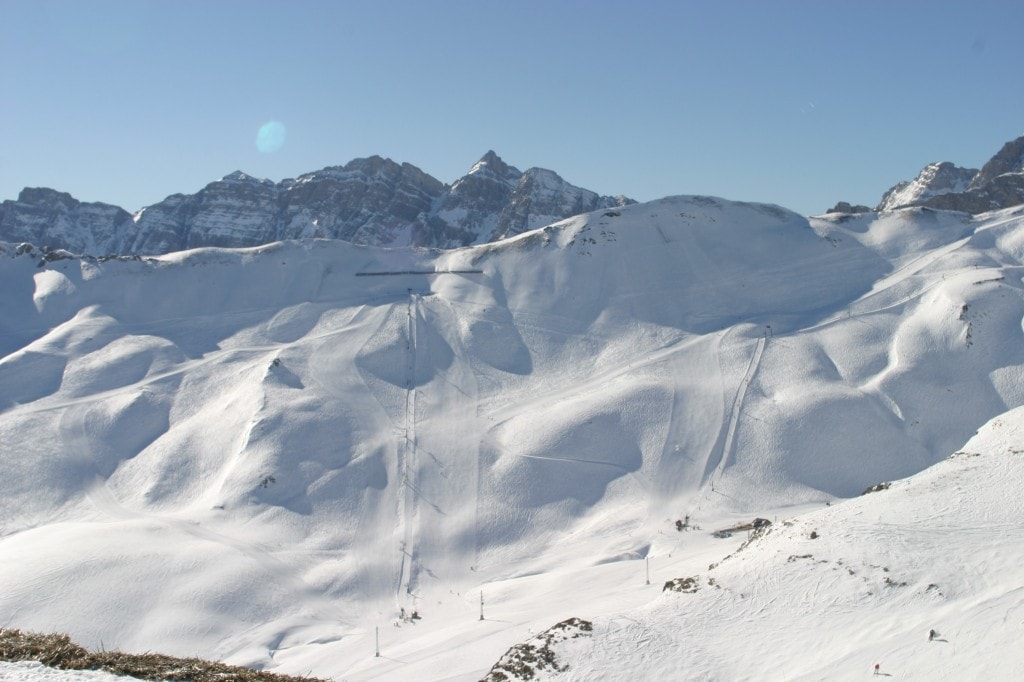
<point>33,671</point>
<point>826,594</point>
<point>266,456</point>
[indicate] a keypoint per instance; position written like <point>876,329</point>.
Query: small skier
<point>932,635</point>
<point>877,666</point>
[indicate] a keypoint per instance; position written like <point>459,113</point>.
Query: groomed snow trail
<point>717,465</point>
<point>407,511</point>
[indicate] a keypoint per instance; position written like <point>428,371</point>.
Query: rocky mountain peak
<point>372,165</point>
<point>45,195</point>
<point>933,180</point>
<point>848,208</point>
<point>1009,159</point>
<point>242,177</point>
<point>495,200</point>
<point>539,197</point>
<point>999,184</point>
<point>490,164</point>
<point>46,217</point>
<point>491,168</point>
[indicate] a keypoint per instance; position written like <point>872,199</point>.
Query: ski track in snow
<point>735,413</point>
<point>408,464</point>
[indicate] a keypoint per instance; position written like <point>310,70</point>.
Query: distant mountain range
<point>378,202</point>
<point>373,201</point>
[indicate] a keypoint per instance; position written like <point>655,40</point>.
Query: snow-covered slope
<point>262,455</point>
<point>33,671</point>
<point>828,594</point>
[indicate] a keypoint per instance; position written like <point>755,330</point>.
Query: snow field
<point>936,551</point>
<point>259,456</point>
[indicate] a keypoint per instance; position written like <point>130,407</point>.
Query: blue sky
<point>797,103</point>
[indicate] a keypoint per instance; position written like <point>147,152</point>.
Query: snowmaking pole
<point>377,647</point>
<point>481,604</point>
<point>647,560</point>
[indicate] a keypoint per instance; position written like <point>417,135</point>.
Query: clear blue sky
<point>796,103</point>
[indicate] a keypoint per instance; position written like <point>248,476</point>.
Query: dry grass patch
<point>58,651</point>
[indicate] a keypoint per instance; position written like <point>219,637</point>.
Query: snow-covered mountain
<point>371,201</point>
<point>1009,159</point>
<point>933,180</point>
<point>274,455</point>
<point>527,201</point>
<point>999,184</point>
<point>46,217</point>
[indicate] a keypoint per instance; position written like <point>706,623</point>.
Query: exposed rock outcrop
<point>46,217</point>
<point>1009,159</point>
<point>935,179</point>
<point>494,201</point>
<point>542,197</point>
<point>846,207</point>
<point>999,184</point>
<point>1002,191</point>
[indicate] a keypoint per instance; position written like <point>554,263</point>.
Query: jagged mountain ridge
<point>373,201</point>
<point>946,186</point>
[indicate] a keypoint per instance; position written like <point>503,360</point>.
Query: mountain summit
<point>372,201</point>
<point>999,184</point>
<point>45,216</point>
<point>934,180</point>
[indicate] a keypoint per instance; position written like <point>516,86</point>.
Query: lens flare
<point>270,137</point>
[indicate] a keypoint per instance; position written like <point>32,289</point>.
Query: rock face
<point>466,210</point>
<point>999,184</point>
<point>934,180</point>
<point>494,201</point>
<point>541,197</point>
<point>847,207</point>
<point>1009,159</point>
<point>49,218</point>
<point>237,210</point>
<point>1001,191</point>
<point>368,201</point>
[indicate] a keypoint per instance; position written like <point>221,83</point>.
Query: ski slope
<point>829,593</point>
<point>268,455</point>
